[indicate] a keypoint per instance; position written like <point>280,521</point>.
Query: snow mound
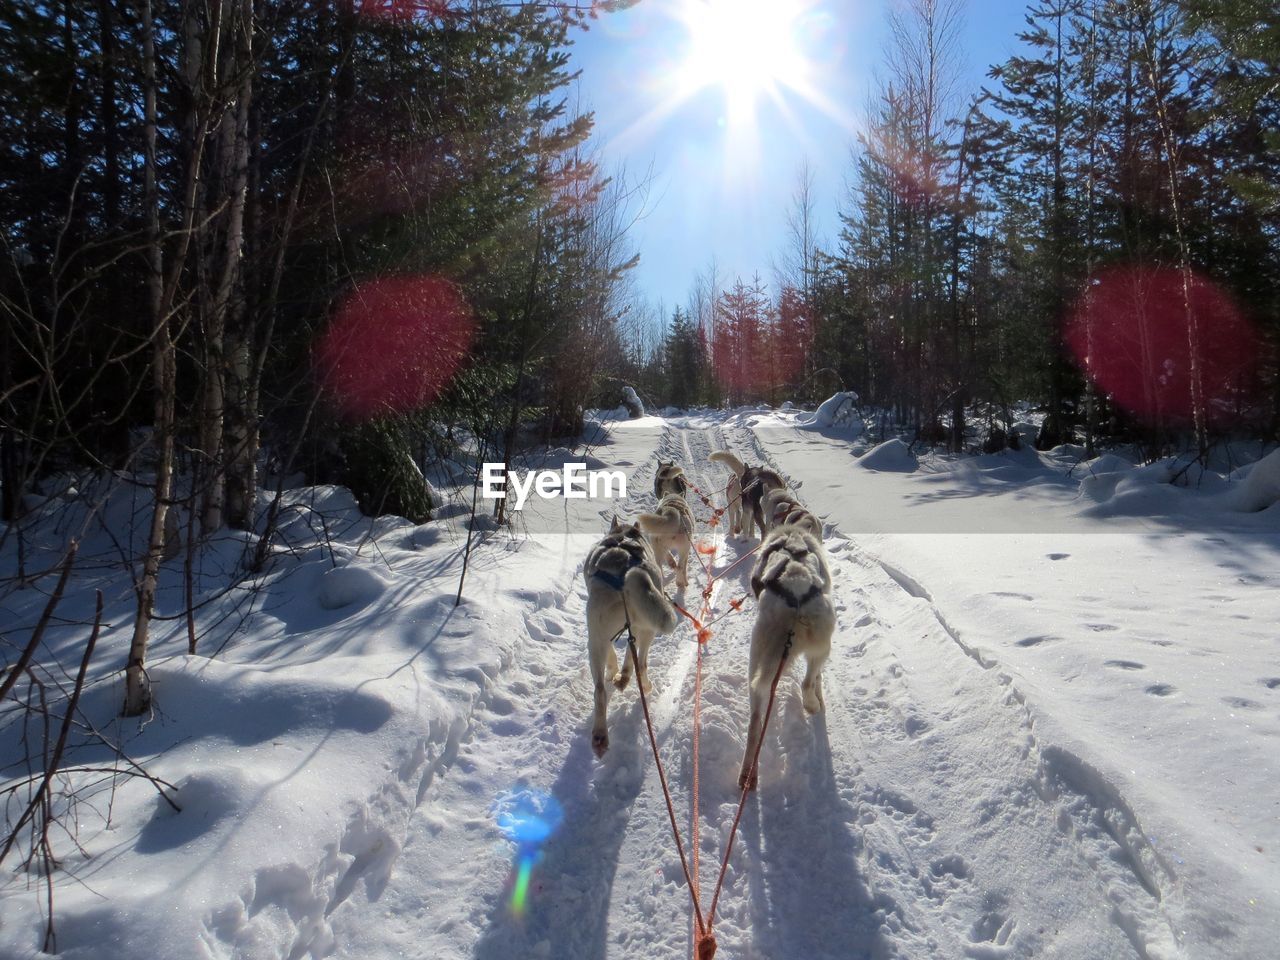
<point>1260,487</point>
<point>839,410</point>
<point>1101,475</point>
<point>631,401</point>
<point>205,798</point>
<point>1026,431</point>
<point>1105,464</point>
<point>348,586</point>
<point>892,456</point>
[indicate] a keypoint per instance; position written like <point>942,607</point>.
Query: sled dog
<point>781,507</point>
<point>792,584</point>
<point>623,582</point>
<point>669,480</point>
<point>753,484</point>
<point>671,525</point>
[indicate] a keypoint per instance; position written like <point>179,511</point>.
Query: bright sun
<point>746,47</point>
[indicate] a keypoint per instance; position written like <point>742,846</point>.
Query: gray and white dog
<point>623,582</point>
<point>671,525</point>
<point>782,507</point>
<point>669,480</point>
<point>792,584</point>
<point>745,508</point>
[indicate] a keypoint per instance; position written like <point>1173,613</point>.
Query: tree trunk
<point>137,685</point>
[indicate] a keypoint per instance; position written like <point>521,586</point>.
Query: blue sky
<point>722,173</point>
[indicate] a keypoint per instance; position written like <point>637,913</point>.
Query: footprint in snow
<point>1036,640</point>
<point>915,726</point>
<point>1013,596</point>
<point>501,706</point>
<point>1270,683</point>
<point>1161,689</point>
<point>990,935</point>
<point>954,865</point>
<point>1126,664</point>
<point>1102,627</point>
<point>1057,556</point>
<point>1241,703</point>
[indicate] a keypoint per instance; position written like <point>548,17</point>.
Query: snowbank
<point>632,404</point>
<point>892,456</point>
<point>838,411</point>
<point>1260,488</point>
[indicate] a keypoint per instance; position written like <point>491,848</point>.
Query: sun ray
<point>747,49</point>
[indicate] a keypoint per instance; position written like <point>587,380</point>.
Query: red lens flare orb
<point>394,345</point>
<point>1129,331</point>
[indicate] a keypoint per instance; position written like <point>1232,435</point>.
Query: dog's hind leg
<point>817,649</point>
<point>642,651</point>
<point>603,662</point>
<point>811,686</point>
<point>682,571</point>
<point>765,657</point>
<point>621,677</point>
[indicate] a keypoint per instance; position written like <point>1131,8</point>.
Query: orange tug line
<point>704,941</point>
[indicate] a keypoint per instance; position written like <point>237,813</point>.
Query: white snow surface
<point>1050,730</point>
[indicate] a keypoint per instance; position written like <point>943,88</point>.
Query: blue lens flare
<point>528,818</point>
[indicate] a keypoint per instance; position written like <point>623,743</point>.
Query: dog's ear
<point>676,471</point>
<point>614,525</point>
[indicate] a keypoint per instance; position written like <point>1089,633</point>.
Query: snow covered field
<point>1051,730</point>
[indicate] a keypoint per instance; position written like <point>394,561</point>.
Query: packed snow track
<point>919,816</point>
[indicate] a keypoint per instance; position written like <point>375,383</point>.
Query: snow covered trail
<point>919,816</point>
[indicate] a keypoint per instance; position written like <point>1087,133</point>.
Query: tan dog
<point>792,584</point>
<point>671,526</point>
<point>624,583</point>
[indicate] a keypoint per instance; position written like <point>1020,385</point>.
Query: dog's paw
<point>621,681</point>
<point>600,743</point>
<point>646,686</point>
<point>812,703</point>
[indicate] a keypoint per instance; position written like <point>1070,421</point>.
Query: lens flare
<point>393,345</point>
<point>528,818</point>
<point>1130,333</point>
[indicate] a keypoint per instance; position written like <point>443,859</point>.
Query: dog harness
<point>772,583</point>
<point>635,558</point>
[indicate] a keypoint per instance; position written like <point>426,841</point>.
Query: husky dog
<point>780,507</point>
<point>669,480</point>
<point>792,584</point>
<point>623,583</point>
<point>733,497</point>
<point>754,483</point>
<point>671,525</point>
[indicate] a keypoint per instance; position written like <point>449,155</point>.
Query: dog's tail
<point>646,602</point>
<point>663,524</point>
<point>730,461</point>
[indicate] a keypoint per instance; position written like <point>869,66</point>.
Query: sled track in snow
<point>886,827</point>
